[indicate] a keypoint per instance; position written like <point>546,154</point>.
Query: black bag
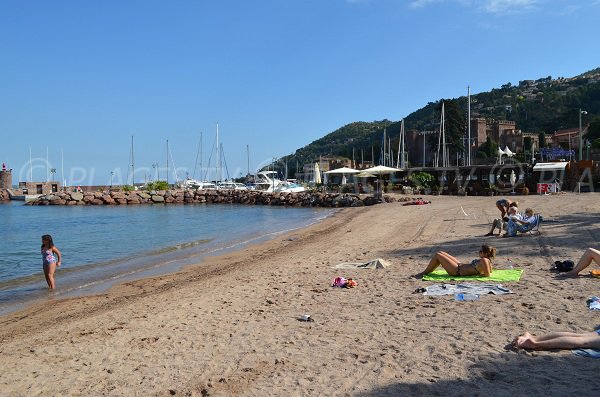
<point>564,266</point>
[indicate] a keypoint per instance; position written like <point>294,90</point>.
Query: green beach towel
<point>497,275</point>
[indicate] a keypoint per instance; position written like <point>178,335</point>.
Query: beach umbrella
<point>317,172</point>
<point>513,179</point>
<point>365,175</point>
<point>343,171</point>
<point>379,171</point>
<point>500,154</point>
<point>508,152</point>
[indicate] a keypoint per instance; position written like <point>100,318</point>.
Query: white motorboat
<point>207,186</point>
<point>230,185</point>
<point>266,181</point>
<point>190,184</point>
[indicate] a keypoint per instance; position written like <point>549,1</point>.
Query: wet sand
<point>229,326</point>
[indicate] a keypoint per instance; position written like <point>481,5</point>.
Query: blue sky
<point>81,77</point>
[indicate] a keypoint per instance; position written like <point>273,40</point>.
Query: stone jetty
<point>4,196</point>
<point>252,197</point>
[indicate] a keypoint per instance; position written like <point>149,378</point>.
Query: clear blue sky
<point>82,77</point>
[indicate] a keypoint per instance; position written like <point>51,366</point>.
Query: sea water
<point>104,245</point>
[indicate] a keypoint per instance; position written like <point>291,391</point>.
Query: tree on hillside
<point>455,126</point>
<point>593,130</point>
<point>489,148</point>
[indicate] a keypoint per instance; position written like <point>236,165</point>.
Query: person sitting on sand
<point>590,254</point>
<point>520,225</point>
<point>558,340</point>
<point>504,204</point>
<point>481,266</point>
<point>502,224</point>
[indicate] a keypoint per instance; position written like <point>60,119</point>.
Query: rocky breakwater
<point>4,196</point>
<point>302,199</point>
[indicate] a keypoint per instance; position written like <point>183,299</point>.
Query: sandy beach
<point>229,326</point>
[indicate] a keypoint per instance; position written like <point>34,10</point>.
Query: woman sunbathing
<point>558,340</point>
<point>589,255</point>
<point>481,266</point>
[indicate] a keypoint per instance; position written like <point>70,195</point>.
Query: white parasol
<point>500,154</point>
<point>343,171</point>
<point>317,174</point>
<point>381,170</point>
<point>513,179</point>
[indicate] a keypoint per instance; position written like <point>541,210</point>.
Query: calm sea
<point>104,245</point>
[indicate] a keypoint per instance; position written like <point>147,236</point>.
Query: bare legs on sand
<point>558,340</point>
<point>589,255</point>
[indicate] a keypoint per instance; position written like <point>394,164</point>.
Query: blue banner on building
<point>556,153</point>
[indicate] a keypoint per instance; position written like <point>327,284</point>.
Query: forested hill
<point>543,105</point>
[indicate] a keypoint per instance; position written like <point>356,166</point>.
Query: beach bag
<point>564,266</point>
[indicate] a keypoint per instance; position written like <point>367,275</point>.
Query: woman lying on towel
<point>558,340</point>
<point>481,266</point>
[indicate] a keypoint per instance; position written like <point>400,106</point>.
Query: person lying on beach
<point>590,254</point>
<point>522,225</point>
<point>502,223</point>
<point>418,201</point>
<point>558,340</point>
<point>481,266</point>
<point>504,204</point>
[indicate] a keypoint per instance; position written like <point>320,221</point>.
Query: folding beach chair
<point>534,227</point>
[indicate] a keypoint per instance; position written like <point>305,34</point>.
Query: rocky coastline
<point>4,196</point>
<point>303,199</point>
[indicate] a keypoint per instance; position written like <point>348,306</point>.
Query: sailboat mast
<point>383,152</point>
<point>132,164</point>
<point>248,158</point>
<point>469,125</point>
<point>399,149</point>
<point>198,154</point>
<point>444,151</point>
<point>217,176</point>
<point>167,162</point>
<point>62,167</point>
<point>403,163</point>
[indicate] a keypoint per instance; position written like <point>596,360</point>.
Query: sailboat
<point>442,141</point>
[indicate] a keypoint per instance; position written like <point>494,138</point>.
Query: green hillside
<point>543,105</point>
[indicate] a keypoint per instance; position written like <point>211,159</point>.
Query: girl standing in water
<point>49,257</point>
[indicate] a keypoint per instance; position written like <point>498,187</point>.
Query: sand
<point>228,326</point>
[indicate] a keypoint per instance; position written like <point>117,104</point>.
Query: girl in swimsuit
<point>49,258</point>
<point>481,266</point>
<point>504,204</point>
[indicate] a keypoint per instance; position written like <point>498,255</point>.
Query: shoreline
<point>98,278</point>
<point>229,327</point>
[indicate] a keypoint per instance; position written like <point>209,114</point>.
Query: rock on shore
<point>302,199</point>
